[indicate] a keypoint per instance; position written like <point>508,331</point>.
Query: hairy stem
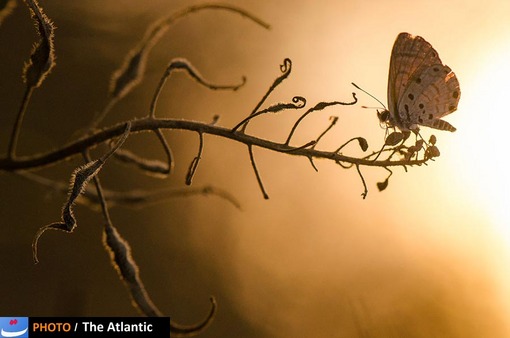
<point>146,124</point>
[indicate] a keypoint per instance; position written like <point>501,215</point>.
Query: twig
<point>76,147</point>
<point>319,106</point>
<point>19,120</point>
<point>37,68</point>
<point>310,144</point>
<point>384,184</point>
<point>151,167</point>
<point>167,150</point>
<point>259,179</point>
<point>130,74</point>
<point>362,143</point>
<point>54,156</point>
<point>285,68</point>
<point>334,120</point>
<point>131,198</point>
<point>365,189</point>
<point>298,103</point>
<point>183,64</point>
<point>121,257</point>
<point>312,163</point>
<point>194,164</point>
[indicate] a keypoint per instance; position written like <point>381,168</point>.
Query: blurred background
<point>428,257</point>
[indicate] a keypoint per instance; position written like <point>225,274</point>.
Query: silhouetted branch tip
<point>178,330</point>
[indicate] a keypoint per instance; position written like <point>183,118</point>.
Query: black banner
<point>84,327</point>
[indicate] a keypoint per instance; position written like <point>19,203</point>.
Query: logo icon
<point>14,327</point>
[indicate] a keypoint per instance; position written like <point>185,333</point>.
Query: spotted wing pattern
<point>421,89</point>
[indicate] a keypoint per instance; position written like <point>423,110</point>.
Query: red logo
<point>13,322</point>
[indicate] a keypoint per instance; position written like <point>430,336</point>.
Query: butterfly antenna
<point>372,96</point>
<point>367,107</point>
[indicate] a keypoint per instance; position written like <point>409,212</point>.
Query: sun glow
<point>479,151</point>
<point>481,156</point>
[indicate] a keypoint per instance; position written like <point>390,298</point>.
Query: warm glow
<point>479,153</point>
<point>480,150</point>
<point>428,257</point>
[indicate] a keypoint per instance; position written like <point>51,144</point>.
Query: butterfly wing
<point>409,54</point>
<point>432,92</point>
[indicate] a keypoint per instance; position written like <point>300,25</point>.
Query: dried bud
<point>432,152</point>
<point>382,185</point>
<point>42,59</point>
<point>432,140</point>
<point>129,74</point>
<point>363,143</point>
<point>411,151</point>
<point>394,138</point>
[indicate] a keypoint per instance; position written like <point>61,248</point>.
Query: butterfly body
<point>421,89</point>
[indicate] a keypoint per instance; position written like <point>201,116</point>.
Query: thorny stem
<point>54,156</point>
<point>11,153</point>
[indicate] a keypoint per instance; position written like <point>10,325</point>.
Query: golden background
<point>428,257</point>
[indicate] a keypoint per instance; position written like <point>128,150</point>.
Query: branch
<point>131,72</point>
<point>131,198</point>
<point>146,124</point>
<point>40,64</point>
<point>285,69</point>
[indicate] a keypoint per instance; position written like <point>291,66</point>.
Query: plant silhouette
<point>397,149</point>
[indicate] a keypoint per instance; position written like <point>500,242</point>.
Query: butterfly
<point>421,89</point>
